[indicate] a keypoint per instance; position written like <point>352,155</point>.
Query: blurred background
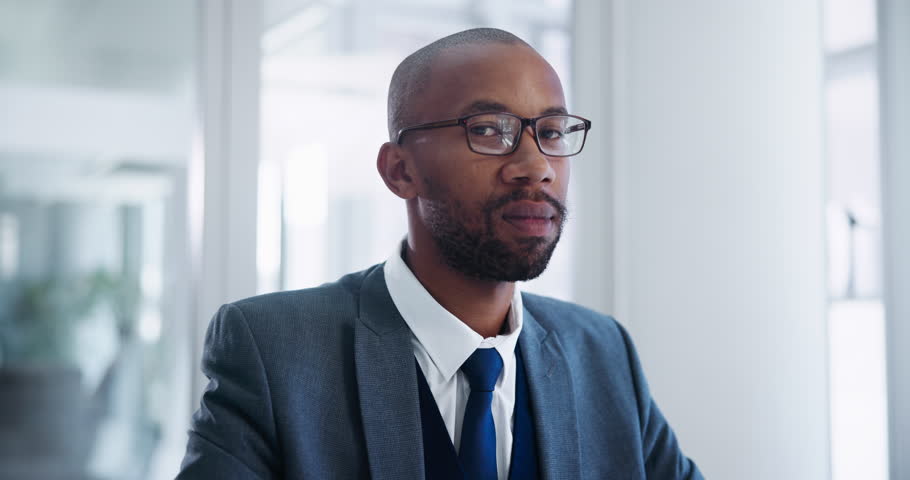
<point>740,207</point>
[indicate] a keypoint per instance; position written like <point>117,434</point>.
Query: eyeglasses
<point>499,133</point>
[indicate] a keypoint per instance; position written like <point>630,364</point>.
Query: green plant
<point>39,323</point>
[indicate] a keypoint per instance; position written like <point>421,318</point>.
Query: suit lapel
<point>552,400</point>
<point>387,382</point>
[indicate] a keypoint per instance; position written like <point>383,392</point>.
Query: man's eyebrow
<point>555,111</point>
<point>481,106</point>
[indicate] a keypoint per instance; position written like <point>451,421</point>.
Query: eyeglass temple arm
<point>581,126</point>
<point>428,126</point>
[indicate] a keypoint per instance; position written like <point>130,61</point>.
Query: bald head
<point>413,74</point>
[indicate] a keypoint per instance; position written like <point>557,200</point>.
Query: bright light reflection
<point>306,191</point>
<point>268,241</point>
<point>849,23</point>
<point>859,431</point>
<point>9,245</point>
<point>149,324</point>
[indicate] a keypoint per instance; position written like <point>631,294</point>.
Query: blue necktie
<point>477,450</point>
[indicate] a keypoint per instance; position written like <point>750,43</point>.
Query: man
<point>433,365</point>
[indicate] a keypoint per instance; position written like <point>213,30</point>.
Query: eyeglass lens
<point>558,135</point>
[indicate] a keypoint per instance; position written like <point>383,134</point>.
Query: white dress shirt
<point>442,343</point>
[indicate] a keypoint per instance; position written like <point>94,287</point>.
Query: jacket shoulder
<point>574,322</point>
<point>334,302</point>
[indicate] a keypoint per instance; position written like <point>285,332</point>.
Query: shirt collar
<point>448,341</point>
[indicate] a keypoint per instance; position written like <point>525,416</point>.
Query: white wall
<point>715,173</point>
<point>591,198</point>
<point>894,61</point>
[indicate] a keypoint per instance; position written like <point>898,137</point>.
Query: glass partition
<point>95,127</point>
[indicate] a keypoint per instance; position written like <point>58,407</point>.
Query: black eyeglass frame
<point>525,122</point>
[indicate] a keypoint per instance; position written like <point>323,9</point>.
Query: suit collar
<point>552,399</point>
<point>446,340</point>
<point>387,384</point>
<point>389,399</point>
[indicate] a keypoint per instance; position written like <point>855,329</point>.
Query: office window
<point>95,124</point>
<point>855,314</point>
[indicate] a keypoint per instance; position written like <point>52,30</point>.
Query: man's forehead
<point>484,78</point>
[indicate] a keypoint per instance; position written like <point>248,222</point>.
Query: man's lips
<point>529,209</point>
<point>530,218</point>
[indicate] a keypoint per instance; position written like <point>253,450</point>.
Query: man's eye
<point>550,134</point>
<point>484,130</point>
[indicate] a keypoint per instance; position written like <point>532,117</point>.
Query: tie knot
<point>482,369</point>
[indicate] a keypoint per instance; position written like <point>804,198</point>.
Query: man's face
<point>491,217</point>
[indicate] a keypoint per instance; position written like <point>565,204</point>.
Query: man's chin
<point>506,256</point>
<point>528,259</point>
<point>532,246</point>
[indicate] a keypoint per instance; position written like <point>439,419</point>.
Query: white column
<point>894,71</point>
<point>592,198</point>
<point>223,173</point>
<point>713,195</point>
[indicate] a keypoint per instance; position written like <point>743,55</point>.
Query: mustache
<point>518,195</point>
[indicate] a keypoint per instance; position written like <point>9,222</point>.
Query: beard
<point>473,249</point>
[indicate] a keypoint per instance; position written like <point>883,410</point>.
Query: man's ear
<point>394,165</point>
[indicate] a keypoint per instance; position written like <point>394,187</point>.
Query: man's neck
<point>482,305</point>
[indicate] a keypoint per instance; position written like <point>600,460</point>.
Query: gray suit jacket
<point>320,383</point>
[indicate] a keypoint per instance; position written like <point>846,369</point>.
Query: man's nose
<point>527,164</point>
